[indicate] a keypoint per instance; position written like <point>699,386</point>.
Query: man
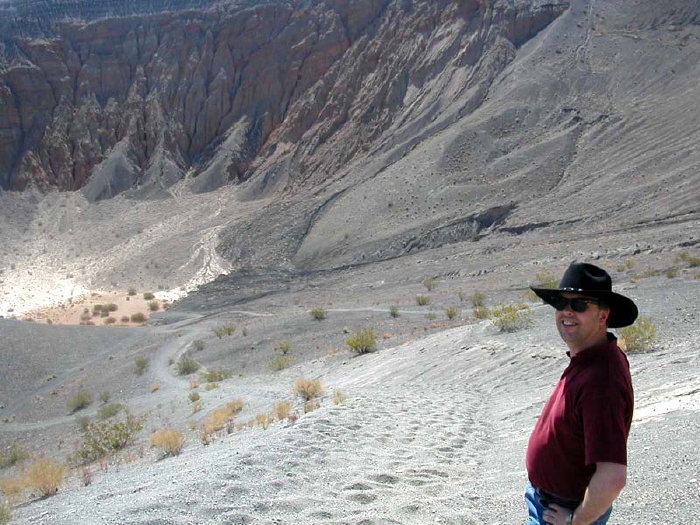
<point>577,454</point>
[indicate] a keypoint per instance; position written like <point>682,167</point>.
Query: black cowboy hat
<point>595,282</point>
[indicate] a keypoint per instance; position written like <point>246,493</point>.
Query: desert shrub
<point>111,320</point>
<point>339,397</point>
<point>85,317</point>
<point>422,300</point>
<point>227,330</point>
<point>264,420</point>
<point>639,336</point>
<point>187,366</point>
<point>140,364</point>
<point>451,312</point>
<point>511,317</point>
<point>124,319</point>
<point>148,296</point>
<point>481,312</point>
<point>138,317</point>
<point>12,486</point>
<point>211,386</point>
<point>194,383</point>
<point>671,272</point>
<point>168,440</point>
<point>279,362</point>
<point>154,387</point>
<point>394,311</point>
<point>15,455</point>
<point>429,283</point>
<point>362,342</point>
<point>79,400</point>
<point>96,309</point>
<point>219,418</point>
<point>111,307</point>
<point>5,513</point>
<point>543,279</point>
<point>283,346</point>
<point>154,306</point>
<point>194,397</point>
<point>282,409</point>
<point>478,299</point>
<point>45,475</point>
<point>82,422</point>
<point>131,291</point>
<point>430,316</point>
<point>199,345</point>
<point>104,397</point>
<point>629,263</point>
<point>319,314</point>
<point>212,376</point>
<point>310,406</point>
<point>105,437</point>
<point>691,260</point>
<point>111,410</point>
<point>307,389</point>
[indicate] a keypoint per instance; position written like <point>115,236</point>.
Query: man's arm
<point>605,485</point>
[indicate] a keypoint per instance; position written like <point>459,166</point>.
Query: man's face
<point>581,330</point>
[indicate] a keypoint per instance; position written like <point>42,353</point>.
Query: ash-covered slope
<point>281,91</point>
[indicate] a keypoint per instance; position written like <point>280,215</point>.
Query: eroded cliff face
<point>283,93</point>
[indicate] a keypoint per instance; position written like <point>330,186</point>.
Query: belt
<point>547,498</point>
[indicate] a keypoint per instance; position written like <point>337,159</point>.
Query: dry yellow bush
<point>169,440</point>
<point>339,397</point>
<point>13,486</point>
<point>282,409</point>
<point>45,475</point>
<point>307,388</point>
<point>155,387</point>
<point>264,420</point>
<point>218,419</point>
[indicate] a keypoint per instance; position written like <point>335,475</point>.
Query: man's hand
<point>556,514</point>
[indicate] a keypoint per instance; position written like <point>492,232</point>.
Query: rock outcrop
<point>279,93</point>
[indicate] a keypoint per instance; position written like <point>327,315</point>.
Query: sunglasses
<point>578,304</point>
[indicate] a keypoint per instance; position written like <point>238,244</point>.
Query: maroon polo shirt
<point>586,420</point>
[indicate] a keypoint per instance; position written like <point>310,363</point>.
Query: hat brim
<point>623,311</point>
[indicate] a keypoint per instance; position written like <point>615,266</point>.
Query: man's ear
<point>604,316</point>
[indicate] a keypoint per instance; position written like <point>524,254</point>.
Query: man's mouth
<point>567,322</point>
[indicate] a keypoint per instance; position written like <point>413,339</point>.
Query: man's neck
<point>600,340</point>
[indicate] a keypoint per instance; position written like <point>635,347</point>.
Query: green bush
<point>138,317</point>
<point>283,346</point>
<point>362,342</point>
<point>478,299</point>
<point>148,296</point>
<point>194,397</point>
<point>212,376</point>
<point>319,314</point>
<point>111,410</point>
<point>394,310</point>
<point>422,300</point>
<point>102,438</point>
<point>13,456</point>
<point>639,336</point>
<point>131,291</point>
<point>227,330</point>
<point>429,283</point>
<point>187,366</point>
<point>104,397</point>
<point>5,513</point>
<point>511,317</point>
<point>279,362</point>
<point>451,312</point>
<point>154,306</point>
<point>79,400</point>
<point>199,344</point>
<point>481,312</point>
<point>140,364</point>
<point>691,260</point>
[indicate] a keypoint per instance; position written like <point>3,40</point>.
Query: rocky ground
<point>432,431</point>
